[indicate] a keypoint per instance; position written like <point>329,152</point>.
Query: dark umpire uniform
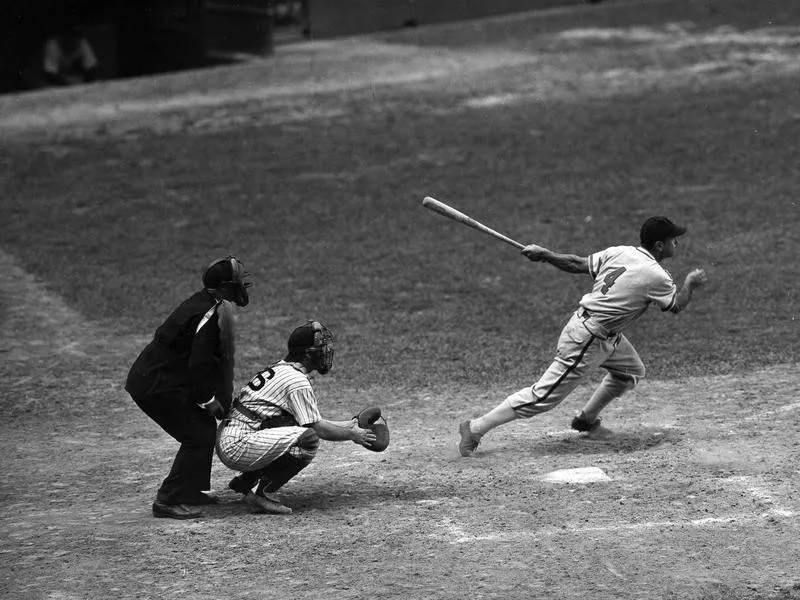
<point>183,380</point>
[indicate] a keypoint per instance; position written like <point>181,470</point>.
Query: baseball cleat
<point>593,430</point>
<point>469,442</point>
<point>579,423</point>
<point>266,504</point>
<point>175,511</point>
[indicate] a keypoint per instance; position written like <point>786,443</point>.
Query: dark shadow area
<point>305,497</point>
<point>620,442</point>
<point>132,38</point>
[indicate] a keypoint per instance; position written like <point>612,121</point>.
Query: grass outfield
<point>567,128</point>
<point>326,213</point>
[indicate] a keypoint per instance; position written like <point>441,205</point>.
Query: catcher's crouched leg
<point>281,470</point>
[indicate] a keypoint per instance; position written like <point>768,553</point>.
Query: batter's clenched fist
<point>696,278</point>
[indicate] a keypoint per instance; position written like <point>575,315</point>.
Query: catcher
<point>274,426</point>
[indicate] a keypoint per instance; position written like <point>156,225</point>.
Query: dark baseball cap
<point>302,337</point>
<point>310,334</point>
<point>659,229</point>
<point>227,270</point>
<point>218,273</point>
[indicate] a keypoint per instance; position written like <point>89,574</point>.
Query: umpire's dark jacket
<point>182,363</point>
<point>181,368</point>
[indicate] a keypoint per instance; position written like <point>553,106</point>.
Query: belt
<point>285,419</point>
<point>241,408</point>
<point>585,315</point>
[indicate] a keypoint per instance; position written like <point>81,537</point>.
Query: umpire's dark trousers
<point>196,431</point>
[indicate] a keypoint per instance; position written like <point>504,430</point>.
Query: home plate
<point>580,475</point>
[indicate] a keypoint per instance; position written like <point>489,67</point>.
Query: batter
<point>627,279</point>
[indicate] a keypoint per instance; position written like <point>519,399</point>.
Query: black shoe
<point>175,511</point>
<point>594,430</point>
<point>241,484</point>
<point>579,423</point>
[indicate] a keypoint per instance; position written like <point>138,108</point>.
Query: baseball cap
<point>302,337</point>
<point>658,229</point>
<point>228,270</point>
<point>217,274</point>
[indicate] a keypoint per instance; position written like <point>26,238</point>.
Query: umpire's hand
<point>214,408</point>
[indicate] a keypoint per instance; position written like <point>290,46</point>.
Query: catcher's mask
<point>228,274</point>
<point>314,340</point>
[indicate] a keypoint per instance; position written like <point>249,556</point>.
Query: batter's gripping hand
<point>370,418</point>
<point>534,252</point>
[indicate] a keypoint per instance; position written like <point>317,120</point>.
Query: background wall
<point>139,37</point>
<point>331,18</point>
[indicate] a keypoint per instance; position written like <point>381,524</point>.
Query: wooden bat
<point>451,213</point>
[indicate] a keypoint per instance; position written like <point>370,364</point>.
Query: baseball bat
<point>459,217</point>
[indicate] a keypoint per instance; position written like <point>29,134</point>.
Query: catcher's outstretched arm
<point>342,431</point>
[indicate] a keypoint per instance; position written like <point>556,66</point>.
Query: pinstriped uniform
<point>278,391</point>
<point>627,280</point>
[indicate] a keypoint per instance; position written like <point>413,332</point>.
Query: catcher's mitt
<point>370,418</point>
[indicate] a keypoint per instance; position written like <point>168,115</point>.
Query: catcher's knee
<point>307,445</point>
<point>299,456</point>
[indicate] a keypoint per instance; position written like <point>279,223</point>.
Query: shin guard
<point>290,464</point>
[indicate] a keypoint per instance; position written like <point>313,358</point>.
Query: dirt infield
<point>695,496</point>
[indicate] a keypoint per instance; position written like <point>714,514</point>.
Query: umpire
<point>183,380</point>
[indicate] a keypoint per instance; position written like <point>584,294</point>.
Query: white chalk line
<point>781,409</point>
<point>457,534</point>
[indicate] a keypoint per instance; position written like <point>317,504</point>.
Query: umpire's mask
<point>228,274</point>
